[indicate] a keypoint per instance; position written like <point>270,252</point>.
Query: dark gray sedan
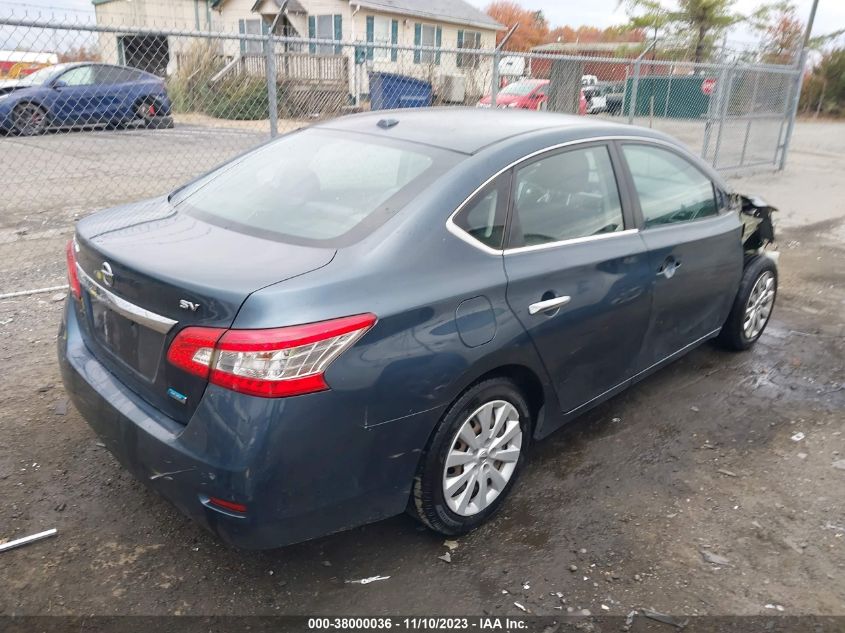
<point>382,312</point>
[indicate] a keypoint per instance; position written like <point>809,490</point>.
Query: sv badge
<point>188,305</point>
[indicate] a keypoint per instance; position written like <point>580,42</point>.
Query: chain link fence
<point>95,115</point>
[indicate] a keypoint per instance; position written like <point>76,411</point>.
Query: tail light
<point>72,272</point>
<point>272,363</point>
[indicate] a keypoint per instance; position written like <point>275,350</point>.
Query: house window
<point>251,47</point>
<point>427,35</point>
<point>325,27</point>
<point>381,35</point>
<point>469,40</point>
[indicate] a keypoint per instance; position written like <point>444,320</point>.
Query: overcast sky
<point>831,13</point>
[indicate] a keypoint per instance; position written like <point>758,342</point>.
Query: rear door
<point>578,273</point>
<point>694,246</point>
<point>112,92</point>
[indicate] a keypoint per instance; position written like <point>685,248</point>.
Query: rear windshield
<point>520,88</point>
<point>316,186</point>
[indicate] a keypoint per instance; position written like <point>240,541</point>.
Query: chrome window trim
<point>705,218</point>
<point>458,232</point>
<point>139,315</point>
<point>575,240</point>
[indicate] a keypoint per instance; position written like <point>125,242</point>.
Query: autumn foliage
<point>534,30</point>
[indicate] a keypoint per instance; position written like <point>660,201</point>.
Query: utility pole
<point>799,80</point>
<point>494,79</point>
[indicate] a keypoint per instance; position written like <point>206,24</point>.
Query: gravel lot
<point>623,508</point>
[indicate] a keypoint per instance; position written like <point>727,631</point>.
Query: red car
<point>527,94</point>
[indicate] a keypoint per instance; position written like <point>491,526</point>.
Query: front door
<point>694,249</point>
<point>76,98</point>
<point>578,276</point>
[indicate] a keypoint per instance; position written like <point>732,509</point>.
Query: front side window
<point>315,186</point>
<point>483,217</point>
<point>80,76</point>
<point>565,196</point>
<point>670,188</point>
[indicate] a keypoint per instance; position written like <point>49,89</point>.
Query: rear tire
<point>148,113</point>
<point>753,305</point>
<point>494,416</point>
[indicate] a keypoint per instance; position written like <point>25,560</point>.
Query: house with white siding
<point>376,25</point>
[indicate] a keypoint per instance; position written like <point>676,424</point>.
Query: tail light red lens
<point>270,363</point>
<point>227,505</point>
<point>72,272</point>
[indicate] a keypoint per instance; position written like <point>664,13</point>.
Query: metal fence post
<point>272,96</point>
<point>723,113</point>
<point>751,112</point>
<point>713,106</point>
<point>799,82</point>
<point>792,109</point>
<point>494,80</point>
<point>632,106</point>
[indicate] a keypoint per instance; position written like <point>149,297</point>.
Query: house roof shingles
<point>454,11</point>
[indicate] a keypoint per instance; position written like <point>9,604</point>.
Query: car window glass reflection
<point>81,76</point>
<point>670,188</point>
<point>484,217</point>
<point>566,196</point>
<point>313,185</point>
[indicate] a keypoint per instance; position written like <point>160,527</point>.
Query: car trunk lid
<point>148,270</point>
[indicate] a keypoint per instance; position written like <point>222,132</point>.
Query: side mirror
<point>59,84</point>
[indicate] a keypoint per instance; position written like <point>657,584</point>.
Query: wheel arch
<point>48,113</point>
<point>147,97</point>
<point>537,392</point>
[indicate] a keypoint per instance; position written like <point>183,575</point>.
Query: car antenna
<point>386,124</point>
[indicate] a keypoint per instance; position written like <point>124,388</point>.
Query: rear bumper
<point>303,468</point>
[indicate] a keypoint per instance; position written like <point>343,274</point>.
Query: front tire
<point>29,119</point>
<point>473,459</point>
<point>753,305</point>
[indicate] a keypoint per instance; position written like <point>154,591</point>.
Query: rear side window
<point>484,216</point>
<point>670,188</point>
<point>316,186</point>
<point>566,196</point>
<point>116,75</point>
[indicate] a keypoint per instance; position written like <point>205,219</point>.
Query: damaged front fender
<point>757,227</point>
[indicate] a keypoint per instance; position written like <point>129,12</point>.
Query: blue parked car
<point>84,94</point>
<point>382,312</point>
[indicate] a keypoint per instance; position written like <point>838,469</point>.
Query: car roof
<point>470,130</point>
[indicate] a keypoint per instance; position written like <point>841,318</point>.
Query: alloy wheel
<point>482,458</point>
<point>29,119</point>
<point>759,306</point>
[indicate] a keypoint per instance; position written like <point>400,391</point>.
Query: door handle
<point>548,304</point>
<point>669,268</point>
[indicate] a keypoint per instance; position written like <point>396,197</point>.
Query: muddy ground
<point>623,508</point>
